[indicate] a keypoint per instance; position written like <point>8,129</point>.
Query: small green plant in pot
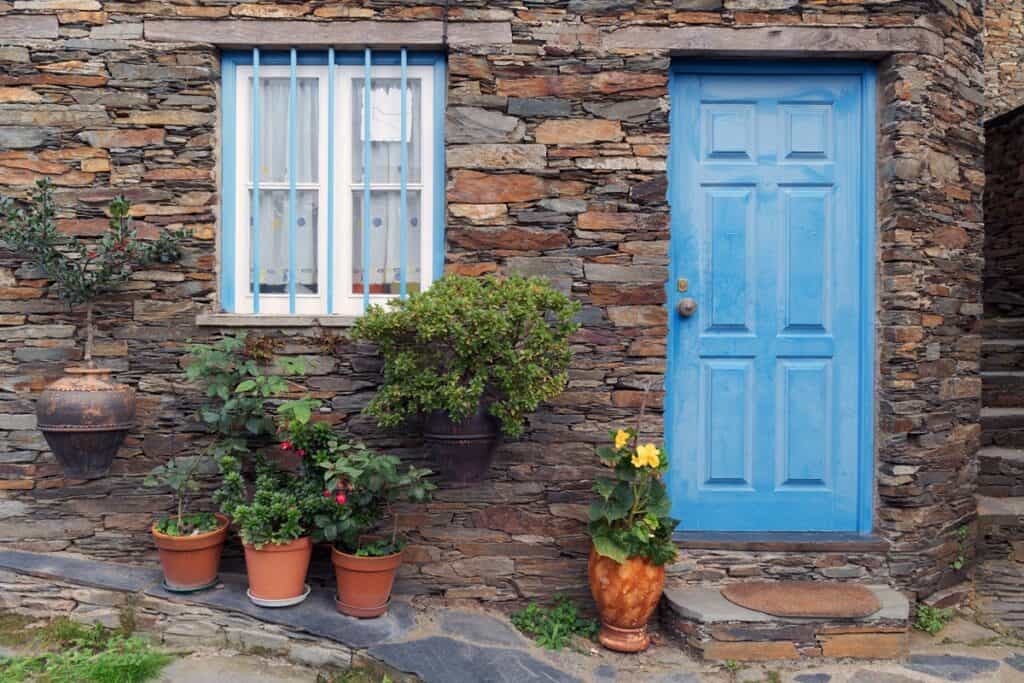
<point>84,415</point>
<point>360,489</point>
<point>470,355</point>
<point>189,543</point>
<point>631,532</point>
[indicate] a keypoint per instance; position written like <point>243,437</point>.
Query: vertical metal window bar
<point>293,106</point>
<point>403,217</point>
<point>330,180</point>
<point>255,196</point>
<point>367,158</point>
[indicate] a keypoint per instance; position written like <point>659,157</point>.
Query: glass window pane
<point>274,97</point>
<point>385,243</point>
<point>273,237</point>
<point>386,130</point>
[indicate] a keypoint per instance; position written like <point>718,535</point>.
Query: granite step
<point>1002,354</point>
<point>711,627</point>
<point>1000,472</point>
<point>1001,426</point>
<point>1000,528</point>
<point>1002,388</point>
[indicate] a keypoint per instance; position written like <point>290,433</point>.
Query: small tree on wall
<point>82,272</point>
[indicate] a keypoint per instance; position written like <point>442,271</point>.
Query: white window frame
<point>346,302</point>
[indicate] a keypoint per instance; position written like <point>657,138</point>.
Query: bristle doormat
<point>804,599</point>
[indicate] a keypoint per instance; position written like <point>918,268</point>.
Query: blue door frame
<point>716,348</point>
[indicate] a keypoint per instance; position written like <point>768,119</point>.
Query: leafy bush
<point>279,510</point>
<point>360,486</point>
<point>931,619</point>
<point>82,272</point>
<point>553,627</point>
<point>631,517</point>
<point>471,342</point>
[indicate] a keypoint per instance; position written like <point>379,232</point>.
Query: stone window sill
<point>257,320</point>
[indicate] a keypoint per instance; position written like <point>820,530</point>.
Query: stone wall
<point>1004,55</point>
<point>557,139</point>
<point>1004,216</point>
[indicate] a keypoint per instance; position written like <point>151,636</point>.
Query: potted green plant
<point>360,488</point>
<point>470,355</point>
<point>274,529</point>
<point>83,415</point>
<point>189,543</point>
<point>632,540</point>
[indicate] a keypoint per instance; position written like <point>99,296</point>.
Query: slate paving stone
<point>604,674</point>
<point>676,678</point>
<point>1016,661</point>
<point>444,660</point>
<point>481,628</point>
<point>812,678</point>
<point>231,669</point>
<point>317,615</point>
<point>107,575</point>
<point>872,676</point>
<point>952,667</point>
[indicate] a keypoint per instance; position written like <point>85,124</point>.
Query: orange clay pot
<point>191,562</point>
<point>278,572</point>
<point>364,583</point>
<point>626,595</point>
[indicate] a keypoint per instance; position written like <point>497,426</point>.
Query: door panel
<point>764,418</point>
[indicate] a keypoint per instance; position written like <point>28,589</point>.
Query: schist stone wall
<point>557,136</point>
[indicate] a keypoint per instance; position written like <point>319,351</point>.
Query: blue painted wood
<point>293,106</point>
<point>320,57</point>
<point>330,180</point>
<point>768,410</point>
<point>403,259</point>
<point>866,400</point>
<point>255,202</point>
<point>367,160</point>
<point>440,212</point>
<point>228,171</point>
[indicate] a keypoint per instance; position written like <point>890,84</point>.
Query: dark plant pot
<point>463,450</point>
<point>85,418</point>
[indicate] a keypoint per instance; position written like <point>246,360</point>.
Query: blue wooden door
<point>768,417</point>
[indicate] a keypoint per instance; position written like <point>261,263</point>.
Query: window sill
<point>272,320</point>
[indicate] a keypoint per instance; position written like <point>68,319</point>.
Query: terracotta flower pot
<point>278,572</point>
<point>364,583</point>
<point>626,595</point>
<point>190,562</point>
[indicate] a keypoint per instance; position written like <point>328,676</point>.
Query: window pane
<point>273,237</point>
<point>386,130</point>
<point>274,97</point>
<point>385,243</point>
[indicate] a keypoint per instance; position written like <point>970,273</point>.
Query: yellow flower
<point>646,455</point>
<point>621,439</point>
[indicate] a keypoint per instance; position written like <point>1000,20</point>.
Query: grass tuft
<point>554,627</point>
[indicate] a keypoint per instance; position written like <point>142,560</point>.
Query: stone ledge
<point>776,41</point>
<point>781,541</point>
<point>260,320</point>
<point>243,33</point>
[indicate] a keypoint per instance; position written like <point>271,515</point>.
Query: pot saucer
<point>171,589</point>
<point>285,602</point>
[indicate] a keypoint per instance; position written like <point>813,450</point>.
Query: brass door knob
<point>687,307</point>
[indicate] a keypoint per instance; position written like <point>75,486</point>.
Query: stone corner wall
<point>557,146</point>
<point>1004,56</point>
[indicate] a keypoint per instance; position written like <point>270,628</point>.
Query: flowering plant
<point>360,486</point>
<point>631,517</point>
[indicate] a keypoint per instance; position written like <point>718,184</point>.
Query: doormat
<point>804,599</point>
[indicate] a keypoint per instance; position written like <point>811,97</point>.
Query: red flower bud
<point>301,453</point>
<point>340,498</point>
<point>327,494</point>
<point>286,445</point>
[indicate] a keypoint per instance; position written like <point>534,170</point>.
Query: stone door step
<point>716,629</point>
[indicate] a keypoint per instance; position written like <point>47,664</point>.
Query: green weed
<point>931,619</point>
<point>554,627</point>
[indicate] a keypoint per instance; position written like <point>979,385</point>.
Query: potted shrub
<point>470,355</point>
<point>360,488</point>
<point>189,543</point>
<point>632,540</point>
<point>275,534</point>
<point>84,416</point>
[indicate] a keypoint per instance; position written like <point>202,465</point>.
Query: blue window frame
<point>331,199</point>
